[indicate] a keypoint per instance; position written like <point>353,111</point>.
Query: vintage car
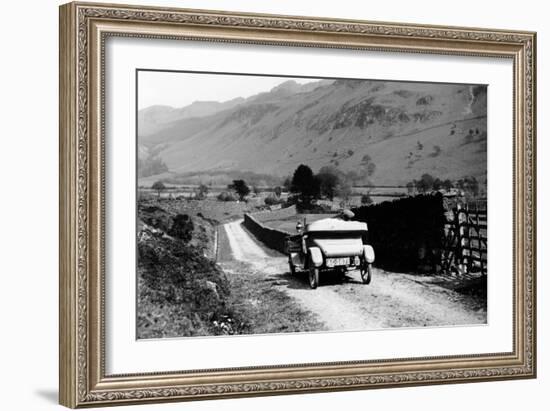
<point>330,244</point>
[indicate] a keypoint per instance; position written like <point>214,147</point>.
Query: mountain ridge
<point>405,129</point>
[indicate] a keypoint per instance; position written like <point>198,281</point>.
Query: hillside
<point>405,129</point>
<point>155,118</point>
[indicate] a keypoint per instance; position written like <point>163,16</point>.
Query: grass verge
<point>265,308</point>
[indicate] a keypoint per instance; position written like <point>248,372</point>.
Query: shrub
<point>182,227</point>
<point>366,199</point>
<point>226,196</point>
<point>424,101</point>
<point>436,152</point>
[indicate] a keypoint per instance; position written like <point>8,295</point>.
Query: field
<point>189,192</point>
<point>210,208</point>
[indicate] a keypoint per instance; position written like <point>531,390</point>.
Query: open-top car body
<point>330,244</point>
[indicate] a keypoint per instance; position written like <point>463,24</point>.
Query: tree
<point>304,184</point>
<point>202,192</point>
<point>437,184</point>
<point>287,183</point>
<point>471,185</point>
<point>240,188</point>
<point>343,190</point>
<point>426,183</point>
<point>418,186</point>
<point>159,187</point>
<point>278,191</point>
<point>328,181</point>
<point>410,187</point>
<point>366,199</point>
<point>447,185</point>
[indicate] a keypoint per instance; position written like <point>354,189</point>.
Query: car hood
<point>340,247</point>
<point>335,224</point>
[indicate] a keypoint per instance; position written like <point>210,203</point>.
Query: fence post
<point>460,242</point>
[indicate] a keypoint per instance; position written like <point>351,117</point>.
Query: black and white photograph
<point>279,204</point>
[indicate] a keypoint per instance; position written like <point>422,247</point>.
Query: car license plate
<point>334,262</point>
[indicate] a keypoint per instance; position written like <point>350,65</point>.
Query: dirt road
<point>391,300</point>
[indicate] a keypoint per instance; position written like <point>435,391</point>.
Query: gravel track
<point>391,300</point>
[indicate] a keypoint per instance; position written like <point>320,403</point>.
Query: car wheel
<point>313,277</point>
<point>366,273</point>
<point>292,268</point>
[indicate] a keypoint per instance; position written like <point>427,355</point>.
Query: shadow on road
<point>300,281</point>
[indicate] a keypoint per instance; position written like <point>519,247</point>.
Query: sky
<point>178,89</point>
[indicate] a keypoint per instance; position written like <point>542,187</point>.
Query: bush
<point>366,199</point>
<point>424,101</point>
<point>182,227</point>
<point>226,196</point>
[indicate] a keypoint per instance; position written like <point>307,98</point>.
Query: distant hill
<point>155,118</point>
<point>405,129</point>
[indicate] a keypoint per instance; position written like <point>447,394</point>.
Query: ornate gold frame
<point>83,30</point>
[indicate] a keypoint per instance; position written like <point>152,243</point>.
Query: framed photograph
<point>260,204</point>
